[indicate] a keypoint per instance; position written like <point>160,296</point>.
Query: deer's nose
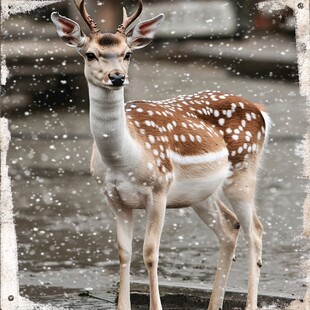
<point>117,78</point>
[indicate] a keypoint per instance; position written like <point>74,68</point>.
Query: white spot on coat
<point>221,121</point>
<point>151,139</point>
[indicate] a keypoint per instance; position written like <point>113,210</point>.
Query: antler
<point>128,20</point>
<point>89,21</point>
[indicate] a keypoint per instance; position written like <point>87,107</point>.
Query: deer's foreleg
<point>124,227</point>
<point>155,211</point>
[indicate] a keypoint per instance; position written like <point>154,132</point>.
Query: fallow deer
<point>174,153</point>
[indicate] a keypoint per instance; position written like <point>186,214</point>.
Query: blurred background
<point>66,233</point>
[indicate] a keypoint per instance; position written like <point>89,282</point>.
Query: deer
<point>185,152</point>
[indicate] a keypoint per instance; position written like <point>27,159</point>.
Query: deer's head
<point>106,55</point>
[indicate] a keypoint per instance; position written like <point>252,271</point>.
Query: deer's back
<point>207,124</point>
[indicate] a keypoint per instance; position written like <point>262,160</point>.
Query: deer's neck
<point>108,126</point>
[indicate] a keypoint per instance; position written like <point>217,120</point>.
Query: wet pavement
<point>66,233</point>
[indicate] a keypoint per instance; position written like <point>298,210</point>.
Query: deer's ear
<point>143,33</point>
<point>68,30</point>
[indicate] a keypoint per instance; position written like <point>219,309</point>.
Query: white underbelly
<point>191,184</point>
<point>189,191</point>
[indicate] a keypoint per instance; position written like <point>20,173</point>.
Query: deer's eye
<point>128,56</point>
<point>91,56</point>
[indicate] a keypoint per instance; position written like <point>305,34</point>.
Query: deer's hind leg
<point>241,194</point>
<point>226,227</point>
